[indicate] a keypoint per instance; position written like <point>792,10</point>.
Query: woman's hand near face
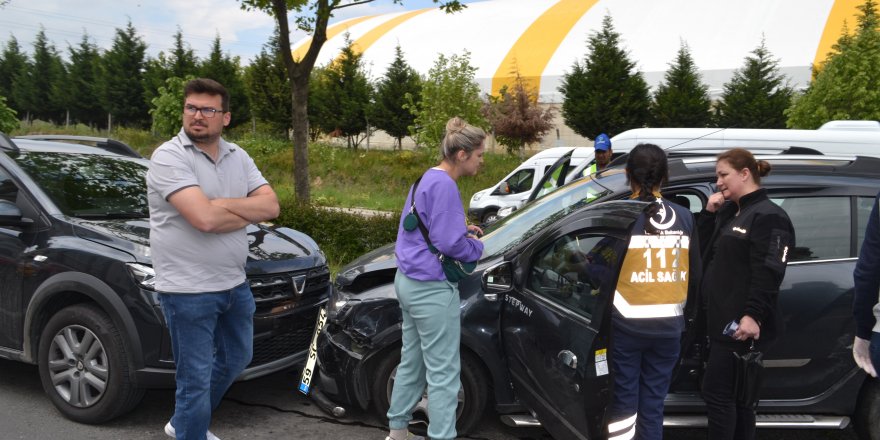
<point>715,202</point>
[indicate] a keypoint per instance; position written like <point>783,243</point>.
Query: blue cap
<point>602,143</point>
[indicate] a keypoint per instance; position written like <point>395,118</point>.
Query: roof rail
<point>783,157</point>
<point>704,151</point>
<point>858,125</point>
<point>107,144</point>
<point>6,143</point>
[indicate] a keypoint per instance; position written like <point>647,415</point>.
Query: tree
<point>44,80</point>
<point>84,100</point>
<point>13,64</point>
<point>388,112</point>
<point>322,110</point>
<point>312,16</point>
<point>122,78</point>
<point>156,71</point>
<point>268,87</point>
<point>183,60</point>
<point>604,94</point>
<point>350,93</point>
<point>166,107</point>
<point>449,90</point>
<point>515,116</point>
<point>8,120</point>
<point>682,100</point>
<point>227,71</point>
<point>757,95</point>
<point>847,84</point>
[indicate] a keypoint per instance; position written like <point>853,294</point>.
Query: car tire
<point>867,416</point>
<point>489,217</point>
<point>471,400</point>
<point>84,366</point>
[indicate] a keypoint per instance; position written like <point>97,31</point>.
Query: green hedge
<point>342,236</point>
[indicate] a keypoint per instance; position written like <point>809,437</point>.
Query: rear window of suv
<point>820,225</point>
<point>90,185</point>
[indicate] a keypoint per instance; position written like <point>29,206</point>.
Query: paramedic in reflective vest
<point>658,275</point>
<point>602,150</point>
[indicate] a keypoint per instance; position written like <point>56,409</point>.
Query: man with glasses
<point>203,192</point>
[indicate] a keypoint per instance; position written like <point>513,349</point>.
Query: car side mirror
<point>497,279</point>
<point>10,215</point>
<point>503,189</point>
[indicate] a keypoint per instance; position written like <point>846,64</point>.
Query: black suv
<point>535,313</point>
<point>77,294</point>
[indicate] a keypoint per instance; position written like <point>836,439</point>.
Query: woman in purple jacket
<point>430,304</point>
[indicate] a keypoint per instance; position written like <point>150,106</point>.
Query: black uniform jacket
<point>744,262</point>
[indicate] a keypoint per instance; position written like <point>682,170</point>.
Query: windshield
<point>522,224</point>
<point>90,185</point>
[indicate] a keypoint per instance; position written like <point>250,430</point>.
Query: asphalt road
<point>262,409</point>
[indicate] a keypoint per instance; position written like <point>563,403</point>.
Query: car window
<point>552,183</point>
<point>821,226</point>
<point>90,185</point>
<point>573,269</point>
<point>863,210</point>
<point>8,188</point>
<point>690,201</point>
<point>521,180</point>
<point>522,224</point>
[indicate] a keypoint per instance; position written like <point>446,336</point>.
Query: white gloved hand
<point>863,356</point>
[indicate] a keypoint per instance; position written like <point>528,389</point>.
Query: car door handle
<point>568,359</point>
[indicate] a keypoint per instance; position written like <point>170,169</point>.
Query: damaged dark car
<point>535,312</point>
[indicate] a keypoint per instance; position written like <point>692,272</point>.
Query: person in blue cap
<point>602,147</point>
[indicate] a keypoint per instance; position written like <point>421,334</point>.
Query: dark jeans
<point>727,420</point>
<point>642,370</point>
<point>212,338</point>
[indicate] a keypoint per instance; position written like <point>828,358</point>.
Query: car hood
<point>371,269</point>
<point>271,248</point>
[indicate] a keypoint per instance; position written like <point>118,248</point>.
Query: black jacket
<point>744,262</point>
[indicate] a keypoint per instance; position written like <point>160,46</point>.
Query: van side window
<point>521,180</point>
<point>813,217</point>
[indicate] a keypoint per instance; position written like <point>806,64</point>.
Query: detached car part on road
<point>77,296</point>
<point>535,319</point>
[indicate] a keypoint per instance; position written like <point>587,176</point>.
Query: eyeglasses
<point>207,112</point>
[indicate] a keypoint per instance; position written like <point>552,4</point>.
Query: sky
<point>242,33</point>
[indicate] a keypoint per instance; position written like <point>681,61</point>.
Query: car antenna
<point>696,138</point>
<point>621,159</point>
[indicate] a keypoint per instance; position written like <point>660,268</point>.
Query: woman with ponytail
<point>429,303</point>
<point>745,258</point>
<point>658,275</point>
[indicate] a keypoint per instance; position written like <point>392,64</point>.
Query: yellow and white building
<point>543,38</point>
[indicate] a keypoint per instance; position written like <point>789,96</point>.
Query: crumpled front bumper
<point>341,369</point>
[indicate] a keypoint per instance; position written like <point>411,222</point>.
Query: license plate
<point>308,372</point>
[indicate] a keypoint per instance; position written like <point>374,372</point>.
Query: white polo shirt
<point>185,259</point>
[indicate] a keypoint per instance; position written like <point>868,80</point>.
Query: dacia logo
<point>299,284</point>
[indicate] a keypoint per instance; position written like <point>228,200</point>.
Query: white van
<point>515,188</point>
<point>831,139</point>
<point>860,138</point>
